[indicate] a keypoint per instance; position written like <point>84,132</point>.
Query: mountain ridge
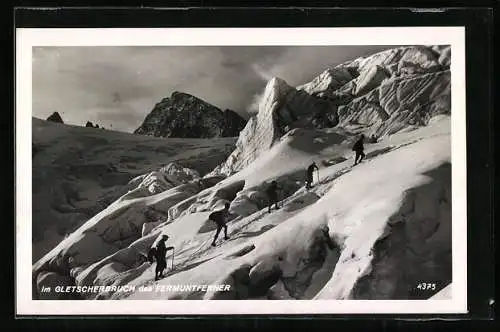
<point>382,93</point>
<point>183,115</point>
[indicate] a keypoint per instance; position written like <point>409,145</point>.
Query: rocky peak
<point>178,96</point>
<point>184,115</point>
<point>55,117</point>
<point>281,109</point>
<point>331,79</point>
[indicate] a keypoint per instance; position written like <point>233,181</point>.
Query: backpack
<point>356,146</point>
<point>216,217</point>
<point>212,216</point>
<point>151,254</point>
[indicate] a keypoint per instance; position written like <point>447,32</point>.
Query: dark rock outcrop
<point>91,125</point>
<point>183,115</point>
<point>55,117</point>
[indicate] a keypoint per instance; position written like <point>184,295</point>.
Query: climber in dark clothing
<point>272,195</point>
<point>310,171</point>
<point>359,149</point>
<point>160,255</point>
<point>220,219</point>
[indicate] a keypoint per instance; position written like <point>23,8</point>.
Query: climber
<point>272,195</point>
<point>160,255</point>
<point>310,171</point>
<point>220,219</point>
<point>359,149</point>
<point>373,139</point>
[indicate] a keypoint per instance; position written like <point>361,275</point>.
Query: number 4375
<point>426,286</point>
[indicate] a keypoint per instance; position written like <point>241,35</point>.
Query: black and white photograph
<point>258,172</point>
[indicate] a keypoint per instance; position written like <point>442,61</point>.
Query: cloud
<point>253,107</point>
<point>264,73</point>
<point>119,86</point>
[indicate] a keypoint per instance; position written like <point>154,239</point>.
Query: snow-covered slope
<point>184,115</point>
<point>77,172</point>
<point>371,231</point>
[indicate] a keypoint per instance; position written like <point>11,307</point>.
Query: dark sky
<point>116,87</point>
